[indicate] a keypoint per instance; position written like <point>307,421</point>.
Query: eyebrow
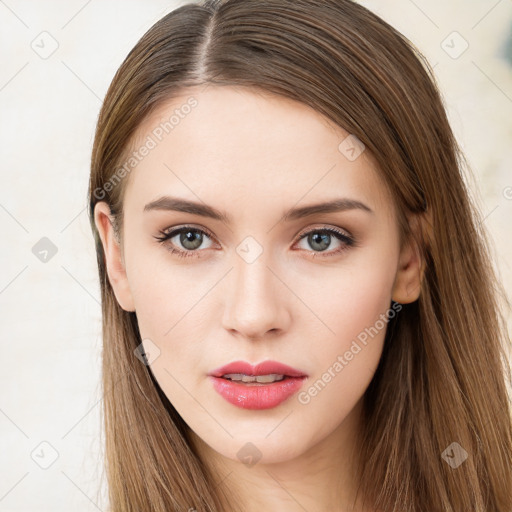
<point>169,203</point>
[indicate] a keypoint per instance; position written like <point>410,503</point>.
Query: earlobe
<point>113,257</point>
<point>407,286</point>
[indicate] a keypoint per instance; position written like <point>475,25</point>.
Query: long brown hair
<point>442,375</point>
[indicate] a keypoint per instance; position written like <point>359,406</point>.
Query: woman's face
<point>262,271</point>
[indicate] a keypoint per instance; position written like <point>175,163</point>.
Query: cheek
<point>352,298</point>
<point>162,294</point>
<point>353,305</point>
<point>172,301</point>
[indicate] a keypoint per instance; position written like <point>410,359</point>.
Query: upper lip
<point>264,368</point>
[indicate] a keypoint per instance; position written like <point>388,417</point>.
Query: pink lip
<point>257,396</point>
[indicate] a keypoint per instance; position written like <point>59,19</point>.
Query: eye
<point>321,239</point>
<point>188,237</point>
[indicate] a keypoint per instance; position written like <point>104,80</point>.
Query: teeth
<point>264,379</point>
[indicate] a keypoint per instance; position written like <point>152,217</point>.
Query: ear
<point>411,268</point>
<point>113,256</point>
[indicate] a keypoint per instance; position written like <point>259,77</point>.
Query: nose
<point>256,303</point>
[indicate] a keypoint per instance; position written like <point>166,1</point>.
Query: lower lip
<point>260,396</point>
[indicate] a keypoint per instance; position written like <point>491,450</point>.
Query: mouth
<point>263,386</point>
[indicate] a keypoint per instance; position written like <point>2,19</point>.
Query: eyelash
<point>347,240</point>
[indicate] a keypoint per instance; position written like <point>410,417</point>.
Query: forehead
<point>216,144</point>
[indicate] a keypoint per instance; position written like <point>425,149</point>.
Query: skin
<point>254,156</point>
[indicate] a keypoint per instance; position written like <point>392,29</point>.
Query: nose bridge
<point>254,304</point>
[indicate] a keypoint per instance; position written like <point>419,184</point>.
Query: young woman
<point>299,307</point>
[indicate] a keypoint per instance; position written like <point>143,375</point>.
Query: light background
<point>50,312</point>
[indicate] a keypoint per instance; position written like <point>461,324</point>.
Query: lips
<point>265,368</point>
<point>257,395</point>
